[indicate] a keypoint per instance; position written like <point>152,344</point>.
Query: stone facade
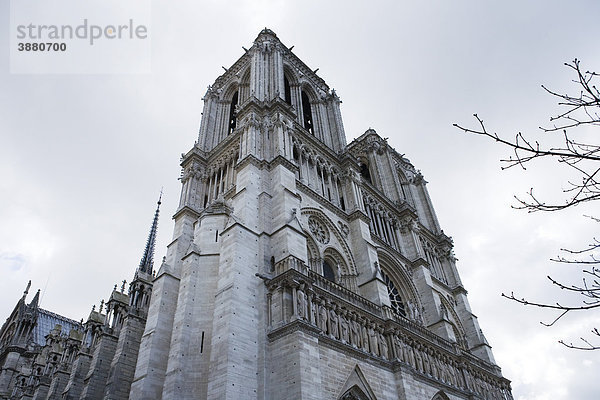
<point>301,267</point>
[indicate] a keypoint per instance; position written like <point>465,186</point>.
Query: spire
<point>148,258</point>
<point>36,299</point>
<point>27,289</point>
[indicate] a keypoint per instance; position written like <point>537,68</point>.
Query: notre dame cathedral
<point>301,267</point>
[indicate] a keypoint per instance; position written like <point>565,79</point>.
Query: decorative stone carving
<point>364,336</point>
<point>383,346</point>
<point>315,313</point>
<point>355,335</point>
<point>413,313</point>
<point>344,328</point>
<point>302,303</point>
<point>373,340</point>
<point>344,229</point>
<point>364,332</point>
<point>323,316</point>
<point>318,229</point>
<point>333,323</point>
<point>408,224</point>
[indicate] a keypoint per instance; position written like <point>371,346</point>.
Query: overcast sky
<point>83,157</point>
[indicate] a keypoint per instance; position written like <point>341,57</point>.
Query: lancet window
<point>394,295</point>
<point>232,113</point>
<point>436,267</point>
<point>307,114</point>
<point>382,223</point>
<point>364,172</point>
<point>219,180</point>
<point>318,174</point>
<point>328,271</point>
<point>287,90</point>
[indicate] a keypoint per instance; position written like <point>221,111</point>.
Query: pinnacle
<point>36,299</point>
<point>267,33</point>
<point>147,262</point>
<point>27,289</point>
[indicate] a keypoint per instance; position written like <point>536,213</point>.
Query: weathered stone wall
<point>123,363</point>
<point>97,375</point>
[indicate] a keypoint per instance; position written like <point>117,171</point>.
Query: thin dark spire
<point>148,258</point>
<point>27,289</point>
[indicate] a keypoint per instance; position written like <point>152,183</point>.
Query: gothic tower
<point>301,266</point>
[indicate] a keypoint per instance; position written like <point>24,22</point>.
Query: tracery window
<point>307,113</point>
<point>394,295</point>
<point>287,90</point>
<point>320,231</point>
<point>440,396</point>
<point>436,267</point>
<point>355,393</point>
<point>328,271</point>
<point>364,172</point>
<point>232,113</point>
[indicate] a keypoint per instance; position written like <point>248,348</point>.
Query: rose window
<point>320,232</point>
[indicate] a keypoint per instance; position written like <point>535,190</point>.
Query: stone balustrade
<point>353,324</point>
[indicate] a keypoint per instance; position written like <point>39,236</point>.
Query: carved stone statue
<point>383,346</point>
<point>418,359</point>
<point>399,345</point>
<point>408,351</point>
<point>302,303</point>
<point>314,311</point>
<point>355,336</point>
<point>364,335</point>
<point>426,361</point>
<point>323,316</point>
<point>333,323</point>
<point>373,340</point>
<point>411,310</point>
<point>344,329</point>
<point>435,365</point>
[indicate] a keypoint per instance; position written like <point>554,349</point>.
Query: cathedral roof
<point>46,321</point>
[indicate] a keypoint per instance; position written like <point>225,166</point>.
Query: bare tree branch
<point>583,159</point>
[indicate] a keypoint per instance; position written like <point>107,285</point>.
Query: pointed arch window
<point>440,396</point>
<point>232,113</point>
<point>354,394</point>
<point>328,271</point>
<point>364,172</point>
<point>394,295</point>
<point>287,90</point>
<point>307,113</point>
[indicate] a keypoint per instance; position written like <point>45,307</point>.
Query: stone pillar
<point>41,390</point>
<point>369,280</point>
<point>58,384</point>
<point>122,368</point>
<point>287,238</point>
<point>79,370</point>
<point>154,348</point>
<point>236,334</point>
<point>9,369</point>
<point>190,345</point>
<point>475,339</point>
<point>295,371</point>
<point>97,375</point>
